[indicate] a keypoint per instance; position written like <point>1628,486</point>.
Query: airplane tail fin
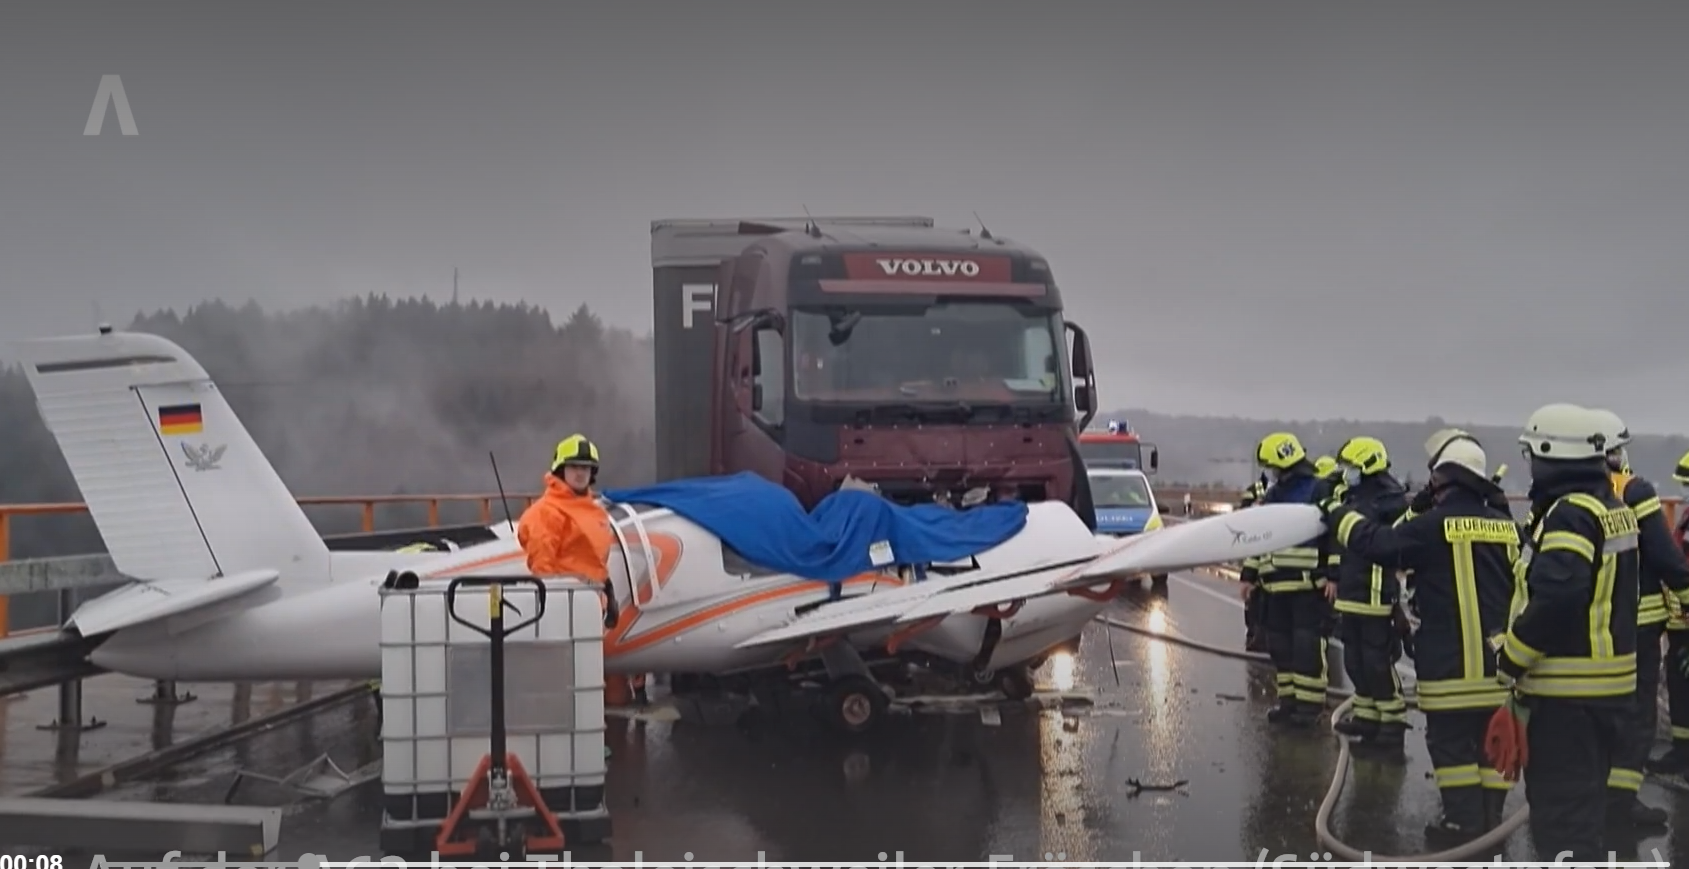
<point>176,485</point>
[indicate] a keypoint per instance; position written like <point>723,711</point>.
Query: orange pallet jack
<point>499,814</point>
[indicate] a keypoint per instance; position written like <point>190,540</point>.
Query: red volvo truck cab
<point>934,364</point>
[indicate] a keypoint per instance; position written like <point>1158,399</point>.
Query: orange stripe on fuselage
<point>617,640</point>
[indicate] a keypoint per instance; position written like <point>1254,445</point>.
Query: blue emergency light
<point>1117,426</point>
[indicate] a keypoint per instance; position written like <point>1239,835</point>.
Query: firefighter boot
<point>1364,730</point>
<point>1495,808</point>
<point>1462,819</point>
<point>1391,736</point>
<point>1674,762</point>
<point>1626,812</point>
<point>1304,713</point>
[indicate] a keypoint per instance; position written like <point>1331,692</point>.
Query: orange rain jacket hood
<point>565,534</point>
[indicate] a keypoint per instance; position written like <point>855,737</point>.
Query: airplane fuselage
<point>685,617</point>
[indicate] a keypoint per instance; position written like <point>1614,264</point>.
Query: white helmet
<point>1452,446</point>
<point>1467,454</point>
<point>1565,432</point>
<point>1440,441</point>
<point>1613,429</point>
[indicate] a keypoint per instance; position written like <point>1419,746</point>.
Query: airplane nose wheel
<point>1014,682</point>
<point>855,704</point>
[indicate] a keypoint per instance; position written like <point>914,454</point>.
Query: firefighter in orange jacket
<point>567,531</point>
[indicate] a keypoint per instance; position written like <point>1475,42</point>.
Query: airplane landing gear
<point>1014,682</point>
<point>855,704</point>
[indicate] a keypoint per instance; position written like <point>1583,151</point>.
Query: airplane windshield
<point>970,352</point>
<point>1112,490</point>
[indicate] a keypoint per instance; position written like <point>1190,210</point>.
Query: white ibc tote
<point>436,703</point>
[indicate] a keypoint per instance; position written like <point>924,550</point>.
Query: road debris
<point>1138,787</point>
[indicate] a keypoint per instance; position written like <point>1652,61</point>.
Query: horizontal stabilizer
<point>1214,540</point>
<point>150,601</point>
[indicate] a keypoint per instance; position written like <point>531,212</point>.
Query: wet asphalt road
<point>947,786</point>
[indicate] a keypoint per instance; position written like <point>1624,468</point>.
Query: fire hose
<point>1486,845</point>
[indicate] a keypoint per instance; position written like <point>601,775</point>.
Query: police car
<point>1125,504</point>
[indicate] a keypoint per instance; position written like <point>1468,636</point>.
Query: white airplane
<point>233,583</point>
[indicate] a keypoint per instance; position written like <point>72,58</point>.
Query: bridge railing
<point>484,508</point>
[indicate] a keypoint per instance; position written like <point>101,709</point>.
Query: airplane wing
<point>1213,540</point>
<point>150,601</point>
<point>880,607</point>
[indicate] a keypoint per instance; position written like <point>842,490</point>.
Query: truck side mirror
<point>1084,377</point>
<point>1081,353</point>
<point>1154,458</point>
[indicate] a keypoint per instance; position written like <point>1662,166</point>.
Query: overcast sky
<point>1300,209</point>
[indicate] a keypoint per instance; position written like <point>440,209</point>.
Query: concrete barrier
<point>108,826</point>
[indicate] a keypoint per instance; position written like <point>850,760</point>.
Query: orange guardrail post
<point>5,555</point>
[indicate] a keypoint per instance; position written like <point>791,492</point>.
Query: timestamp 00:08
<point>40,861</point>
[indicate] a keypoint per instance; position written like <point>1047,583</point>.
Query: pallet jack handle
<point>496,631</point>
<point>499,782</point>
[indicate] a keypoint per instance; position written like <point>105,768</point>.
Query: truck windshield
<point>1119,490</point>
<point>1110,453</point>
<point>970,352</point>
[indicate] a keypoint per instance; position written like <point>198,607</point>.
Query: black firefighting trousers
<point>1677,688</point>
<point>1637,739</point>
<point>1370,649</point>
<point>1254,613</point>
<point>1297,625</point>
<point>1455,740</point>
<point>1572,746</point>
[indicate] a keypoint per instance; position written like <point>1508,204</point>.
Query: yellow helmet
<point>1367,454</point>
<point>1682,473</point>
<point>575,450</point>
<point>1325,466</point>
<point>1280,451</point>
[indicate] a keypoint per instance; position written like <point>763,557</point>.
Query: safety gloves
<point>1423,500</point>
<point>1505,743</point>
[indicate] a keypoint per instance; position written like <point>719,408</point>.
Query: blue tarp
<point>767,524</point>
